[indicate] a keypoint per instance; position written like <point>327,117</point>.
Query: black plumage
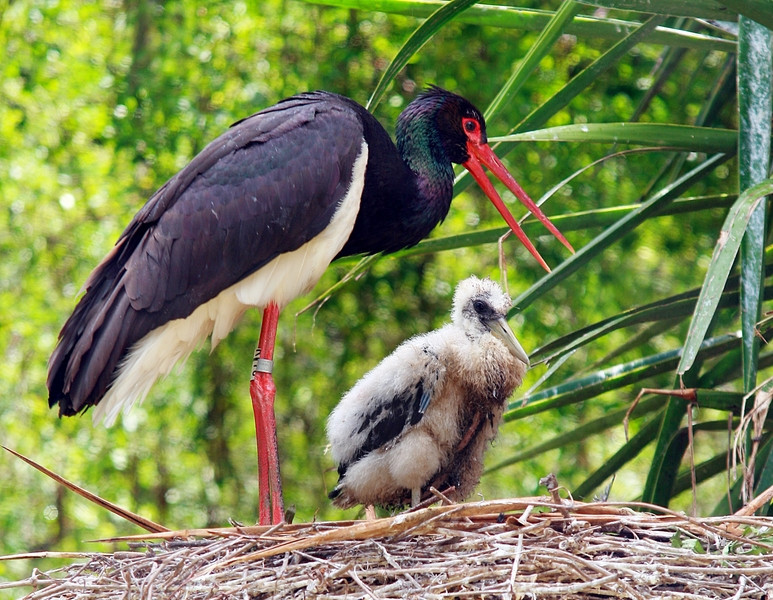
<point>221,218</point>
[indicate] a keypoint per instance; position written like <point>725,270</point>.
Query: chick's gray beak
<point>501,330</point>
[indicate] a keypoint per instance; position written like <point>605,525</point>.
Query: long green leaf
<point>578,434</point>
<point>667,65</point>
<point>660,475</point>
<point>633,448</point>
<point>671,465</point>
<point>702,9</point>
<point>728,368</point>
<point>615,377</point>
<point>677,137</point>
<point>668,309</point>
<point>630,450</point>
<point>612,234</point>
<point>764,476</point>
<point>719,269</point>
<point>722,93</point>
<point>763,458</point>
<point>581,220</point>
<point>703,471</point>
<point>414,43</point>
<point>540,48</point>
<point>542,113</point>
<point>724,400</point>
<point>754,109</point>
<point>636,340</point>
<point>527,19</point>
<point>585,78</point>
<point>759,10</point>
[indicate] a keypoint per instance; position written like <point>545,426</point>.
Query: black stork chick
<point>425,415</point>
<point>253,221</point>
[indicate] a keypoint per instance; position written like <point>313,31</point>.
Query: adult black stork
<point>425,415</point>
<point>254,220</point>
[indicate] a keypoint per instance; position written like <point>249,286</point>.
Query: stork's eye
<point>470,125</point>
<point>479,306</point>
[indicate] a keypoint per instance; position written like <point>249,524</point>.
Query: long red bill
<point>482,154</point>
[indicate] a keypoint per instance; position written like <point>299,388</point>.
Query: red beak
<point>482,154</point>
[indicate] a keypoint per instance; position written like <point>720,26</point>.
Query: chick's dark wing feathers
<point>392,415</point>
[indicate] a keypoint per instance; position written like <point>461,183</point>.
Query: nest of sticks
<point>519,548</point>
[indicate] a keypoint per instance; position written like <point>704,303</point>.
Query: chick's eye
<point>479,306</point>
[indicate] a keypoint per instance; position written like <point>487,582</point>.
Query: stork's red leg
<point>263,392</point>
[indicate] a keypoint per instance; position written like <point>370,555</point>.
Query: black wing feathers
<point>265,187</point>
<point>387,421</point>
<point>390,416</point>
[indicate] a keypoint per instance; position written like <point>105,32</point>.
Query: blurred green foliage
<point>100,103</point>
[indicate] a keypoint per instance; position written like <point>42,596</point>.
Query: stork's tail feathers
<point>91,345</point>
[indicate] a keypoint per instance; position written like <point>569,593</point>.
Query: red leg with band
<point>263,392</point>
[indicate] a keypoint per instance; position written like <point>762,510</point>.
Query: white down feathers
<point>461,369</point>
